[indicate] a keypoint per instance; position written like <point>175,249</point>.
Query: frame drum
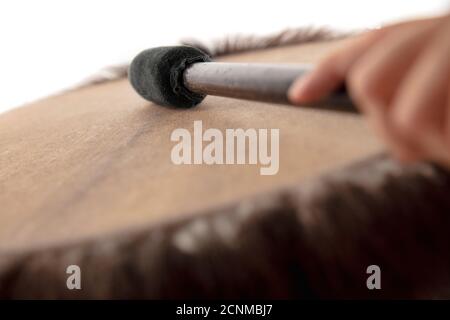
<point>87,178</point>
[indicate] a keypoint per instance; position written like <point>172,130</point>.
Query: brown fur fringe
<point>230,45</point>
<point>312,241</point>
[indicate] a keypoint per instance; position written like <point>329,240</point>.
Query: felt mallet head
<point>157,75</point>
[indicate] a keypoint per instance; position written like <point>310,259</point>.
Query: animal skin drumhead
<point>132,193</point>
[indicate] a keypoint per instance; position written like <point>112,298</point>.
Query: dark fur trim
<point>243,43</point>
<point>230,45</point>
<point>312,241</point>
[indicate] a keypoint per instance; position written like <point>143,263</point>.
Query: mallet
<point>182,76</point>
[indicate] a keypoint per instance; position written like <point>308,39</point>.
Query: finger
<point>373,80</point>
<point>330,73</point>
<point>419,111</point>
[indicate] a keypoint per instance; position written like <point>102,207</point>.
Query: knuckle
<point>329,65</point>
<point>363,86</point>
<point>409,124</point>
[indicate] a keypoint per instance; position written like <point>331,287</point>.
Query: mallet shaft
<point>256,81</point>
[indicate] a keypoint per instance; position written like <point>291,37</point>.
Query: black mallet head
<point>157,75</point>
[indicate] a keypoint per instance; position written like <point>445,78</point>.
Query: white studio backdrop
<point>49,45</point>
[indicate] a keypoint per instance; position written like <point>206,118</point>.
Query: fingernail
<point>297,90</point>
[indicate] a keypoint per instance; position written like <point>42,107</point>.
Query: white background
<point>48,45</point>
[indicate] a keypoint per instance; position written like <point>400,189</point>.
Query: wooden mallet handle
<point>255,81</point>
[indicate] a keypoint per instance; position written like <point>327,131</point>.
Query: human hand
<point>399,77</point>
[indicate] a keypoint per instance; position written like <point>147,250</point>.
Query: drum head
<point>97,160</point>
